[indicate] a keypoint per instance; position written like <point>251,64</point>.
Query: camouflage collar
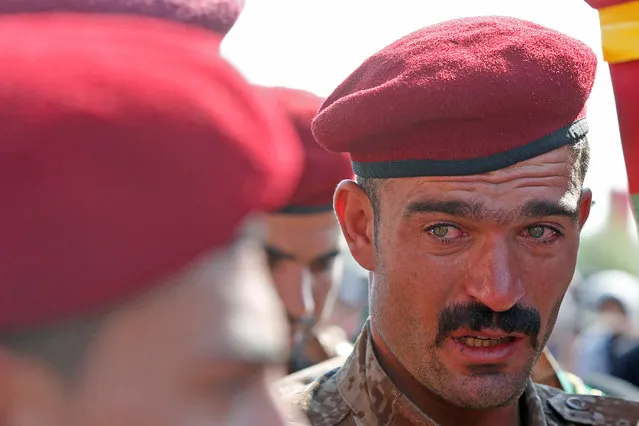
<point>375,400</point>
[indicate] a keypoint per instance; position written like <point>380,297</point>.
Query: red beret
<point>323,170</point>
<point>113,177</point>
<point>462,97</point>
<point>214,15</point>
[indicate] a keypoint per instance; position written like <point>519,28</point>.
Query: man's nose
<point>492,278</point>
<point>306,287</point>
<point>294,286</point>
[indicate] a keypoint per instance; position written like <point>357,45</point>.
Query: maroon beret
<point>462,97</point>
<point>214,15</point>
<point>113,177</point>
<point>323,169</point>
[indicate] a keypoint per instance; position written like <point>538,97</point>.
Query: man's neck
<point>442,412</point>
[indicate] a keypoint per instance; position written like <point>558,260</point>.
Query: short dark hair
<point>580,152</point>
<point>371,186</point>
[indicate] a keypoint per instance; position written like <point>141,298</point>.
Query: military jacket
<point>359,393</point>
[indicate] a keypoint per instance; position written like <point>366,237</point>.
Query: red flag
<point>620,41</point>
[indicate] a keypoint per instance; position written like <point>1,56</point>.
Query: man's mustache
<point>477,317</point>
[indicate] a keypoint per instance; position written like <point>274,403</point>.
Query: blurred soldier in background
<point>133,288</point>
<point>302,240</point>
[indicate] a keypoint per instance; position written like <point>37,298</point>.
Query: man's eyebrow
<point>453,208</point>
<point>477,211</point>
<point>274,252</point>
<point>327,255</point>
<point>545,208</point>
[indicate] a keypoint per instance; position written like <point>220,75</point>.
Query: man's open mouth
<point>484,342</point>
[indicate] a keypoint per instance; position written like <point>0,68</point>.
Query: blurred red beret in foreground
<point>462,97</point>
<point>214,15</point>
<point>322,169</point>
<point>112,176</point>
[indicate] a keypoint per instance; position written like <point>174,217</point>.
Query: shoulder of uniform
<point>321,401</point>
<point>589,409</point>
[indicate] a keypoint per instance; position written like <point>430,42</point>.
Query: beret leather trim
<point>412,168</point>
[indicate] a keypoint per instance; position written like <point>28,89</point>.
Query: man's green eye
<point>536,231</point>
<point>440,231</point>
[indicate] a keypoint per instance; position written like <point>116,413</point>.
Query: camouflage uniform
<point>360,394</point>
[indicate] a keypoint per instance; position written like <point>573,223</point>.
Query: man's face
<point>303,250</point>
<point>469,272</point>
<point>200,350</point>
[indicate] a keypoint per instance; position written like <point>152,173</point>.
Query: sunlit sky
<point>315,44</point>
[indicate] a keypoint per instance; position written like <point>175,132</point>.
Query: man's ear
<point>356,218</point>
<point>585,202</point>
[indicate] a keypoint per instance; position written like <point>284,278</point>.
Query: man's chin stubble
<point>484,397</point>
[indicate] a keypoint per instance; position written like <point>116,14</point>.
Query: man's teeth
<point>480,342</point>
